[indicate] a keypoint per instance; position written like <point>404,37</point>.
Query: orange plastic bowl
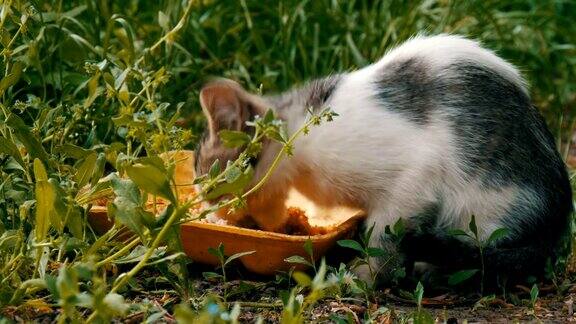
<point>98,219</point>
<point>270,249</point>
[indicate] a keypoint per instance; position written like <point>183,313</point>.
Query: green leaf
<point>121,78</point>
<point>39,171</point>
<point>253,149</point>
<point>12,78</point>
<point>283,130</point>
<point>93,90</point>
<point>218,252</point>
<point>128,40</point>
<point>67,283</point>
<point>125,188</point>
<point>98,169</point>
<point>9,148</point>
<point>472,226</point>
<point>156,161</point>
<point>375,252</point>
<point>60,210</point>
<point>132,216</point>
<point>75,11</point>
<point>73,151</point>
<point>44,201</point>
<point>268,116</point>
<point>221,249</point>
<point>232,174</point>
<point>534,294</point>
<point>235,187</point>
<point>214,169</point>
<point>276,135</point>
<point>497,234</point>
<point>27,138</point>
<point>461,276</point>
<point>418,294</point>
<point>302,279</point>
<point>51,285</point>
<point>298,259</point>
<point>151,179</point>
<point>137,254</point>
<point>308,247</point>
<point>366,235</point>
<point>167,258</point>
<point>233,139</point>
<point>320,277</point>
<point>34,283</point>
<point>199,179</point>
<point>351,244</point>
<point>128,120</point>
<point>86,170</point>
<point>211,275</point>
<point>237,255</point>
<point>243,288</point>
<point>184,314</point>
<point>75,222</point>
<point>163,20</point>
<point>359,59</point>
<point>399,228</point>
<point>127,206</point>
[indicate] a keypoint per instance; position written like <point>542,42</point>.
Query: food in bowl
<point>299,210</point>
<point>307,222</point>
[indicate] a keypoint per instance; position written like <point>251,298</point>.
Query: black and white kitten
<point>436,131</point>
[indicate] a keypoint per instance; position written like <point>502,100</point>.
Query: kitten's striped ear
<point>228,106</point>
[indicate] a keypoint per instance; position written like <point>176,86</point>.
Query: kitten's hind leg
<point>394,260</point>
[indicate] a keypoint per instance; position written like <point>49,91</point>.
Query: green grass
<point>89,87</point>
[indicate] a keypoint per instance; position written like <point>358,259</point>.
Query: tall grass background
<point>278,44</point>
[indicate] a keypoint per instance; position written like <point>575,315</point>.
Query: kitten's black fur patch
<point>313,95</point>
<point>406,87</point>
<point>503,141</point>
<point>320,90</point>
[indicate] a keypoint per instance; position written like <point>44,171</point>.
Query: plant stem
<point>175,215</point>
<point>180,211</point>
<point>119,252</point>
<point>482,266</point>
<point>224,278</point>
<point>172,32</point>
<point>121,281</point>
<point>275,162</point>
